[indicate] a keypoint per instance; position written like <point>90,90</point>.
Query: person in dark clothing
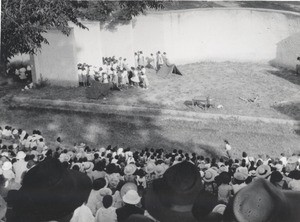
<point>131,199</point>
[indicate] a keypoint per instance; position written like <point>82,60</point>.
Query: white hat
<point>209,175</point>
<point>131,197</point>
<point>150,167</point>
<point>88,166</point>
<point>21,155</point>
<point>7,165</point>
<point>120,151</point>
<point>159,169</point>
<point>129,169</point>
<point>263,171</point>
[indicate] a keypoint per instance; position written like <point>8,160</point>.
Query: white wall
<point>88,43</point>
<point>220,35</point>
<point>56,61</point>
<point>223,34</point>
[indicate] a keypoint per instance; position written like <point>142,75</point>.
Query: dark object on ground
<point>166,70</point>
<point>97,89</point>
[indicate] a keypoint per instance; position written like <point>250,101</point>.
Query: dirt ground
<point>227,84</point>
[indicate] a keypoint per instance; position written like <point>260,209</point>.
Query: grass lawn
<point>203,137</point>
<point>226,83</point>
<point>278,92</point>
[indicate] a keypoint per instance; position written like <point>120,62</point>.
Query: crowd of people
<point>118,72</point>
<point>121,184</point>
<point>21,73</point>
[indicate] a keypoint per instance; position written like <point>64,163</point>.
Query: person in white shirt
<point>22,73</point>
<point>153,61</point>
<point>20,166</point>
<point>141,59</point>
<point>159,60</point>
<point>228,149</point>
<point>136,59</point>
<point>106,213</point>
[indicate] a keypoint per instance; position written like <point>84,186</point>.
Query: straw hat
<point>131,197</point>
<point>88,166</point>
<point>209,175</point>
<point>7,165</point>
<point>242,170</point>
<point>150,167</point>
<point>20,155</point>
<point>126,187</point>
<point>292,160</point>
<point>129,169</point>
<point>240,176</point>
<point>159,170</point>
<point>263,171</point>
<point>223,168</point>
<point>262,201</point>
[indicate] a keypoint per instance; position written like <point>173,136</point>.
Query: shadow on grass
<point>286,74</point>
<point>99,130</point>
<point>291,109</point>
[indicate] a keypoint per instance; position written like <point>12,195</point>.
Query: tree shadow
<point>287,52</point>
<point>291,109</point>
<point>289,75</point>
<point>99,130</point>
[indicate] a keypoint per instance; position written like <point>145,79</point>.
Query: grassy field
<point>278,92</point>
<point>203,136</point>
<point>227,83</point>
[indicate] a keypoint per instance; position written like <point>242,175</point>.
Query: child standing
<point>144,79</point>
<point>135,77</point>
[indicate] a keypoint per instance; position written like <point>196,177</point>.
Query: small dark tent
<point>166,70</point>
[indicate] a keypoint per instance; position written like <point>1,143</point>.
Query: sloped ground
<point>226,83</point>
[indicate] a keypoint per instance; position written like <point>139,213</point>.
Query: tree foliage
<point>23,22</point>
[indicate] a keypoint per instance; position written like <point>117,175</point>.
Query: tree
<point>23,22</point>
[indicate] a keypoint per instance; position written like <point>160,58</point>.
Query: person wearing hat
<point>7,170</point>
<point>49,192</point>
<point>149,170</point>
<point>129,170</point>
<point>292,163</point>
<point>263,171</point>
<point>131,199</point>
<point>209,180</point>
<point>262,201</point>
<point>179,195</point>
<point>239,181</point>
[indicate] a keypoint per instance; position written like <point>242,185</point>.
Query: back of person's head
<point>107,201</point>
<point>225,177</point>
<point>99,183</point>
<point>244,154</point>
<point>50,192</point>
<point>75,167</point>
<point>275,177</point>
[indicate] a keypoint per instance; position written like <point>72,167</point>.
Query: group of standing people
<point>114,71</point>
<point>153,61</point>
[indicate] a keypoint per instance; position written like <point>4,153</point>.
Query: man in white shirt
<point>20,166</point>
